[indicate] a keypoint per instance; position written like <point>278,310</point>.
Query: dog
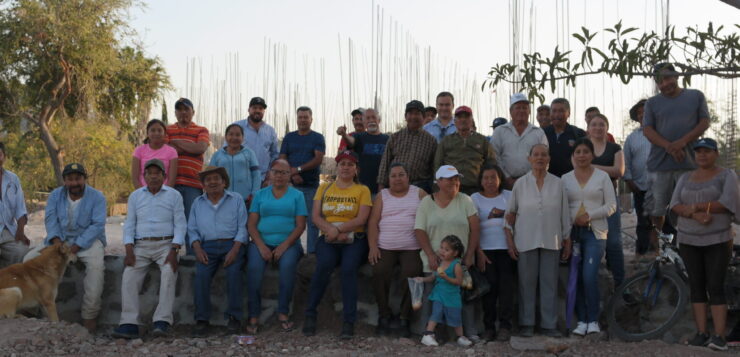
<point>35,282</point>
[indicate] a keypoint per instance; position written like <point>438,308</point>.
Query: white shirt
<point>597,197</point>
<point>512,149</point>
<point>491,229</point>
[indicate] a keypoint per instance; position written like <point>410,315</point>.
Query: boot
<point>90,324</point>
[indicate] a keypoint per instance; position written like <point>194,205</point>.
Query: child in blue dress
<point>445,297</point>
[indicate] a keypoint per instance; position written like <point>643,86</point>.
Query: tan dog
<point>34,282</point>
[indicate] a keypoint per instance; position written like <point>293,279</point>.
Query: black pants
<point>707,267</point>
<point>500,274</point>
<point>643,223</point>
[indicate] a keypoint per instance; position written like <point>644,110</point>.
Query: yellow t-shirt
<point>342,204</point>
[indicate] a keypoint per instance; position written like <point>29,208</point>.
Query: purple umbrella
<point>570,300</point>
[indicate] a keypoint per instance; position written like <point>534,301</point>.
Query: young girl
<point>240,162</point>
<point>445,297</point>
<point>154,147</point>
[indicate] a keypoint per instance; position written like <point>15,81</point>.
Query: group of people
<point>432,199</point>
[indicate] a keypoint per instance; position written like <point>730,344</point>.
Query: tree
<point>64,59</point>
<point>697,52</point>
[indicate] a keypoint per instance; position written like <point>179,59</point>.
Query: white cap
<point>446,171</point>
<point>518,97</point>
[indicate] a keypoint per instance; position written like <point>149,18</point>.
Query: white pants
<point>11,251</point>
<point>94,273</point>
<point>147,252</point>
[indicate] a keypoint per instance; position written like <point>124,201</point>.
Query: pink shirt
<point>397,220</point>
<point>145,153</point>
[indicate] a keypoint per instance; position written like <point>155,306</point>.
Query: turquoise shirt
<point>444,292</point>
<point>277,216</point>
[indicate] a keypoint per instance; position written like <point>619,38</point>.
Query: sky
<point>204,36</point>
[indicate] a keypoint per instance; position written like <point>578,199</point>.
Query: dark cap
<point>430,109</point>
<point>154,162</point>
<point>463,109</point>
<point>74,168</point>
<point>357,111</point>
<point>214,169</point>
<point>633,110</point>
<point>414,105</point>
<point>706,143</point>
<point>664,69</point>
<point>184,101</point>
<point>498,122</point>
<point>346,154</point>
<point>257,101</point>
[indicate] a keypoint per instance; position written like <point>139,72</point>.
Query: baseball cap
<point>346,154</point>
<point>498,122</point>
<point>446,171</point>
<point>257,101</point>
<point>706,143</point>
<point>414,105</point>
<point>184,101</point>
<point>518,97</point>
<point>358,111</point>
<point>74,168</point>
<point>154,162</point>
<point>463,109</point>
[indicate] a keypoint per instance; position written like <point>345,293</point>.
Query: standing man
<point>590,113</point>
<point>13,216</point>
<point>673,120</point>
<point>429,114</point>
<point>260,136</point>
<point>561,137</point>
<point>513,141</point>
<point>75,215</point>
<point>370,147</point>
<point>356,123</point>
<point>444,124</point>
<point>636,152</point>
<point>190,141</point>
<point>153,232</point>
<point>304,149</point>
<point>543,116</point>
<point>412,146</point>
<point>465,150</point>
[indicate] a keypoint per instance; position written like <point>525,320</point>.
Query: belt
<point>155,239</point>
<point>222,239</point>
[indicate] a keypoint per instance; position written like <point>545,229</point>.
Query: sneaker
<point>348,331</point>
<point>593,327</point>
<point>503,334</point>
<point>526,331</point>
<point>474,338</point>
<point>127,331</point>
<point>201,328</point>
<point>700,339</point>
<point>718,343</point>
<point>489,335</point>
<point>160,328</point>
<point>581,329</point>
<point>233,325</point>
<point>464,341</point>
<point>309,326</point>
<point>428,340</point>
<point>733,339</point>
<point>383,327</point>
<point>551,332</point>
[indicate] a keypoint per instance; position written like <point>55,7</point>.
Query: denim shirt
<point>12,202</point>
<point>263,142</point>
<point>89,218</point>
<point>227,219</point>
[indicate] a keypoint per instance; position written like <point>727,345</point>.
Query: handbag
<point>350,235</point>
<point>481,286</point>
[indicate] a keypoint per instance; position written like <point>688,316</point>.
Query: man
<point>444,124</point>
<point>75,214</point>
<point>561,137</point>
<point>673,120</point>
<point>412,146</point>
<point>369,146</point>
<point>465,150</point>
<point>153,232</point>
<point>356,123</point>
<point>190,141</point>
<point>429,114</point>
<point>590,113</point>
<point>260,137</point>
<point>13,216</point>
<point>304,149</point>
<point>543,116</point>
<point>513,141</point>
<point>636,151</point>
<point>218,227</point>
<point>496,123</point>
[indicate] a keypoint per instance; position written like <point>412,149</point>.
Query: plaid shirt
<point>415,149</point>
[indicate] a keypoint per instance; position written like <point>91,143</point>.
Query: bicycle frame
<point>669,255</point>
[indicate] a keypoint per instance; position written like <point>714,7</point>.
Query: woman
<point>154,147</point>
<point>497,265</point>
<point>449,212</point>
<point>591,199</point>
<point>609,158</point>
<point>707,201</point>
<point>537,227</point>
<point>240,162</point>
<point>390,233</point>
<point>340,211</point>
<point>277,218</point>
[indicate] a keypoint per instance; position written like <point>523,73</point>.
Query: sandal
<point>287,325</point>
<point>253,328</point>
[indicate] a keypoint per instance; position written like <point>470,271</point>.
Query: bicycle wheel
<point>643,309</point>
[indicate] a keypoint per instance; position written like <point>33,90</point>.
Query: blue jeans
<point>204,273</point>
<point>614,252</point>
<point>350,257</point>
<point>312,232</point>
<point>256,269</point>
<point>189,194</point>
<point>587,295</point>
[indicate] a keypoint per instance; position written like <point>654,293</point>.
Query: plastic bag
<point>416,287</point>
<point>467,282</point>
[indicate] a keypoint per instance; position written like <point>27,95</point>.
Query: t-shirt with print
<point>440,222</point>
<point>277,215</point>
<point>145,153</point>
<point>342,204</point>
<point>188,165</point>
<point>300,149</point>
<point>370,149</point>
<point>491,229</point>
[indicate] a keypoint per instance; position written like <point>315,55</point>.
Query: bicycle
<point>650,303</point>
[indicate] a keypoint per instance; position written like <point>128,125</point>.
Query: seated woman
<point>277,218</point>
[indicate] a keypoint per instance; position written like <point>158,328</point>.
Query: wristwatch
<point>299,169</point>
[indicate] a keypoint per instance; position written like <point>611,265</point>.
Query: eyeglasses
<point>279,172</point>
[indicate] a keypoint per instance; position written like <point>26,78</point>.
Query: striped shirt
<point>416,149</point>
<point>188,165</point>
<point>396,226</point>
<point>636,152</point>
